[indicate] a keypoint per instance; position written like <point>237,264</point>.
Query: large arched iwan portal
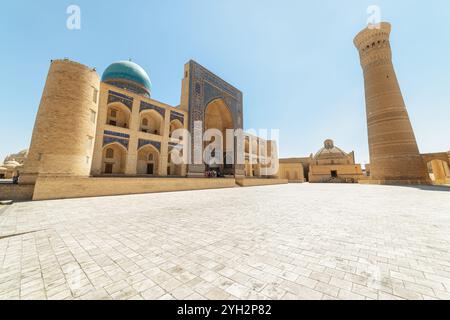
<point>204,88</point>
<point>218,116</point>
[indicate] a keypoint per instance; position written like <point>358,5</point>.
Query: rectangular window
<point>113,113</point>
<point>95,97</point>
<point>90,143</point>
<point>93,116</point>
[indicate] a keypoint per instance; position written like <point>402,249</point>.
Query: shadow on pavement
<point>429,188</point>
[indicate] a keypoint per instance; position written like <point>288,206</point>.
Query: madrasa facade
<point>111,126</point>
<point>95,127</point>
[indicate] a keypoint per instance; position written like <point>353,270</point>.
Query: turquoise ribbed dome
<point>129,71</point>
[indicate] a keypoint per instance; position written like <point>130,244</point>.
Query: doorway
<point>150,168</point>
<point>108,168</point>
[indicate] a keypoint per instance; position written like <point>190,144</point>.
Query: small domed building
<point>331,155</point>
<point>332,164</point>
<point>329,164</point>
<point>12,164</point>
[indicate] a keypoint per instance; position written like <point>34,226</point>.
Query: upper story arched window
<point>109,153</point>
<point>118,116</point>
<point>151,122</point>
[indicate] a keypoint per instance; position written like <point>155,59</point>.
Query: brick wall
<point>16,192</point>
<point>253,182</point>
<point>79,187</point>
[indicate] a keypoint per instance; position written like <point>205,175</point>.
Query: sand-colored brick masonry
<point>16,192</point>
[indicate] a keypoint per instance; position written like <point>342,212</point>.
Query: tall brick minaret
<point>394,155</point>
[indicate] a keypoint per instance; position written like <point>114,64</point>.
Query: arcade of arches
<point>138,130</point>
<point>138,141</point>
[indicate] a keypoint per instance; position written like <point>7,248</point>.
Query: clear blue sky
<point>294,60</point>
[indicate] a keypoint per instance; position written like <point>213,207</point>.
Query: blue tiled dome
<point>128,71</point>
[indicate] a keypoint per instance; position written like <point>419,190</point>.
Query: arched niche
<point>118,115</point>
<point>114,159</point>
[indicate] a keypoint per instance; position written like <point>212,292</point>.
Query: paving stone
<point>238,290</point>
<point>406,293</point>
<point>153,293</point>
<point>348,295</point>
<point>342,284</point>
<point>296,241</point>
<point>301,291</point>
<point>217,294</point>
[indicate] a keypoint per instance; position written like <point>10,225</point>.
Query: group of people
<point>214,174</point>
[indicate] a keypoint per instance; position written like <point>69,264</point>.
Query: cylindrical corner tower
<point>64,131</point>
<point>394,155</point>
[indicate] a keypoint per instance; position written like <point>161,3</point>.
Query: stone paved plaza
<point>296,241</point>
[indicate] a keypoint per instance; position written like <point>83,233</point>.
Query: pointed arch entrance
<point>114,157</point>
<point>148,161</point>
<point>218,116</point>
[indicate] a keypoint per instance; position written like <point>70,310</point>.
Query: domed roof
<point>19,157</point>
<point>11,164</point>
<point>128,71</point>
<point>330,151</point>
